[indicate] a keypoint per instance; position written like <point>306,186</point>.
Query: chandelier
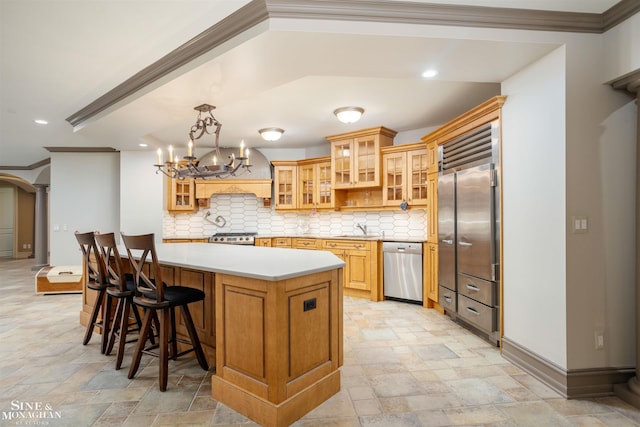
<point>190,167</point>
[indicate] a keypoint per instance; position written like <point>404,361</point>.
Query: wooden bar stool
<point>96,280</point>
<point>160,301</point>
<point>122,289</point>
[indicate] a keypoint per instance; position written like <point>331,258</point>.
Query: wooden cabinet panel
<point>305,243</point>
<point>355,157</point>
<point>314,184</point>
<point>281,242</point>
<point>181,195</point>
<point>262,241</point>
<point>432,211</point>
<point>358,270</point>
<point>431,271</point>
<point>405,177</point>
<point>202,312</point>
<point>361,275</point>
<point>285,177</point>
<point>310,329</point>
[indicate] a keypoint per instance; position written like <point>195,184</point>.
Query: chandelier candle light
<point>192,168</point>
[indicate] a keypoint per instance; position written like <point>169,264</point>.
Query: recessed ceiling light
<point>41,122</point>
<point>142,144</point>
<point>427,74</point>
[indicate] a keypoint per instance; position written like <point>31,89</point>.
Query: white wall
<point>84,196</point>
<point>600,176</point>
<point>142,195</point>
<point>533,185</point>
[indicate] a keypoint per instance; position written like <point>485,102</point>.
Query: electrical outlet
<point>599,340</point>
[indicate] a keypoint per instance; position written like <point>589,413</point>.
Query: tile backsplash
<point>245,212</point>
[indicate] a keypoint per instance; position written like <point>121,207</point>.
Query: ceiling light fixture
<point>190,167</point>
<point>349,114</point>
<point>427,74</point>
<point>271,134</point>
<point>41,122</point>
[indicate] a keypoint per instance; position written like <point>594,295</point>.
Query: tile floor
<point>403,366</point>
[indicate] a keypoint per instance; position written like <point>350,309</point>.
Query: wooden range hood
<point>257,182</point>
<point>259,187</point>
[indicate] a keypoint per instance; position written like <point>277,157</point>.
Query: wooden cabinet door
<point>366,162</point>
<point>341,154</point>
<point>416,177</point>
<point>284,186</point>
<point>431,271</point>
<point>307,183</point>
<point>324,198</point>
<point>181,197</point>
<point>358,270</point>
<point>393,178</point>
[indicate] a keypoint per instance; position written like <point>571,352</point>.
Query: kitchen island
<point>271,324</point>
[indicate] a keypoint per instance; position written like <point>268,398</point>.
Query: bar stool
<point>122,289</point>
<point>96,280</point>
<point>160,301</point>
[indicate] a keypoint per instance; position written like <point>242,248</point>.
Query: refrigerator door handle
<point>465,244</point>
<point>472,287</point>
<point>447,241</point>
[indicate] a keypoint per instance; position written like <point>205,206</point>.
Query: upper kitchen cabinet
<point>285,184</point>
<point>314,183</point>
<point>404,172</point>
<point>355,157</point>
<point>181,195</point>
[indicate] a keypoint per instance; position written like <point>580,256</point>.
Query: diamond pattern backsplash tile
<point>245,213</point>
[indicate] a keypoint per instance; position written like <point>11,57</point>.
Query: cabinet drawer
<point>448,299</point>
<point>346,244</point>
<point>477,313</point>
<point>281,242</point>
<point>477,289</point>
<point>304,243</point>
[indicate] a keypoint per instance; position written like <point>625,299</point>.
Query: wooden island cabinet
<point>271,323</point>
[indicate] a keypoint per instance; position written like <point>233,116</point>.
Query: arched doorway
<point>18,199</point>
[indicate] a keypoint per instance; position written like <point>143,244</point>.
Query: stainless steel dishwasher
<point>403,271</point>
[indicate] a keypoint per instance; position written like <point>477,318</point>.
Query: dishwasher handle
<point>402,247</point>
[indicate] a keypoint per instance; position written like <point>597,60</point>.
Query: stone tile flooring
<point>403,366</point>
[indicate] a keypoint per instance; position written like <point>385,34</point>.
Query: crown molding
<point>29,167</point>
<point>258,11</point>
<point>630,82</point>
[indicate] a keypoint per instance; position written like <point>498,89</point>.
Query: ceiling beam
<point>258,11</point>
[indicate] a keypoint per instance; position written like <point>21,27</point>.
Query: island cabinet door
<point>202,312</point>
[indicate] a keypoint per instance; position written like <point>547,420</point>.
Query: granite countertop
<point>262,263</point>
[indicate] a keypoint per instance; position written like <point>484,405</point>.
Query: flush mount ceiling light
<point>349,114</point>
<point>427,74</point>
<point>41,122</point>
<point>271,134</point>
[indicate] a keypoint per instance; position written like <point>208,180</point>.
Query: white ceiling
<point>58,56</point>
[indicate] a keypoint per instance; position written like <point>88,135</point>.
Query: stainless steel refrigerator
<point>468,247</point>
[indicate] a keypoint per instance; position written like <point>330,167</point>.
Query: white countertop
<point>257,262</point>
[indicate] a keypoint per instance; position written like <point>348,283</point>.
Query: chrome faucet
<point>362,227</point>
